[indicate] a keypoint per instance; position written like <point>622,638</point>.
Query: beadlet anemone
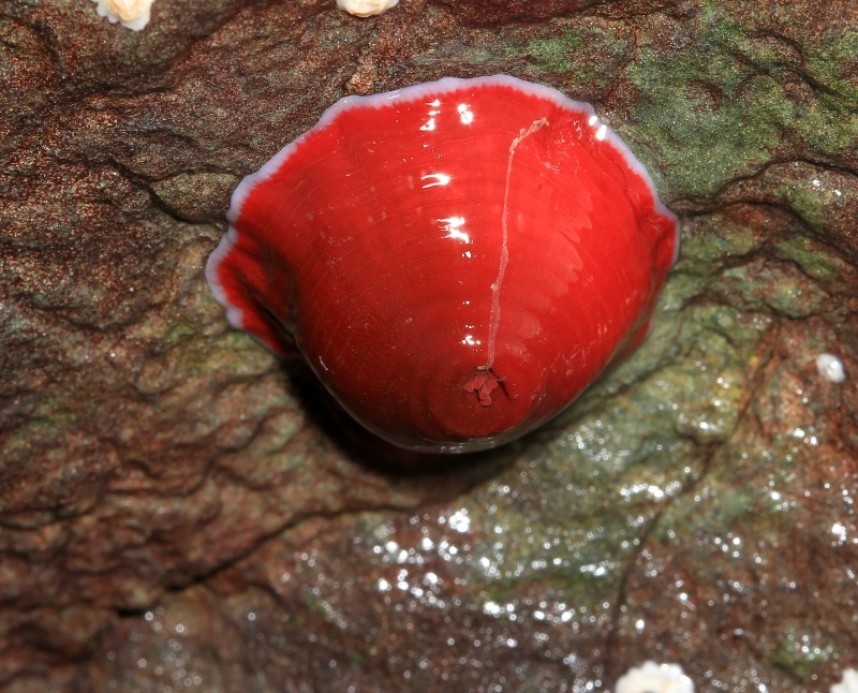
<point>456,261</point>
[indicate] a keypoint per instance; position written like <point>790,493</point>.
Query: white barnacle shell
<point>655,678</point>
<point>132,14</point>
<point>830,368</point>
<point>849,683</point>
<point>366,8</point>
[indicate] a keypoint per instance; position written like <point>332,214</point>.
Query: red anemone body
<point>456,261</point>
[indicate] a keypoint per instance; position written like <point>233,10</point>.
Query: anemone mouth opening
<point>483,381</point>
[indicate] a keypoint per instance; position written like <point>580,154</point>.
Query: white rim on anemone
<point>445,85</point>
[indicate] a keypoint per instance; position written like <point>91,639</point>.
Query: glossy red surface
<point>456,261</point>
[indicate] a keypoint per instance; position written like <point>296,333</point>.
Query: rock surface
<point>176,512</point>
